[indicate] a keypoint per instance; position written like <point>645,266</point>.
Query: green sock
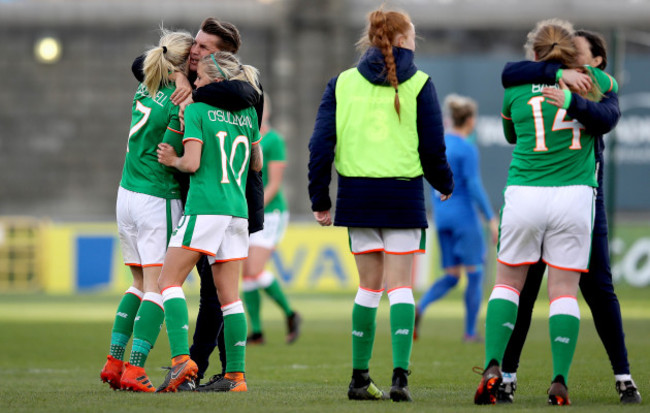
<point>275,292</point>
<point>146,328</point>
<point>118,345</point>
<point>123,324</point>
<point>563,330</point>
<point>139,352</point>
<point>177,320</point>
<point>363,335</point>
<point>253,304</point>
<point>234,330</point>
<point>402,318</point>
<point>499,323</point>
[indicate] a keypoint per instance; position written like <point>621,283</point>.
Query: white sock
<point>623,377</point>
<point>509,377</point>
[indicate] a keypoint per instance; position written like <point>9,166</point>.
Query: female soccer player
<point>219,145</point>
<point>148,208</point>
<point>596,285</point>
<point>262,243</point>
<point>548,210</point>
<point>380,123</point>
<point>460,233</point>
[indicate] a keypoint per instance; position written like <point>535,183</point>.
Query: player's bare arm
<point>189,162</point>
<point>183,87</point>
<point>256,158</point>
<point>577,80</point>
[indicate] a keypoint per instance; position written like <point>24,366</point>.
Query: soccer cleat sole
<point>486,393</point>
<point>144,387</point>
<point>400,394</point>
<point>558,395</point>
<point>558,401</point>
<point>115,385</point>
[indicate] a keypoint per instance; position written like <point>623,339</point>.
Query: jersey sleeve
<point>506,119</point>
<point>277,151</point>
<point>606,82</point>
<point>598,117</point>
<point>193,130</point>
<point>173,134</point>
<point>256,137</point>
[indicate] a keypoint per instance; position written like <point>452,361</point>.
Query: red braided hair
<point>383,28</point>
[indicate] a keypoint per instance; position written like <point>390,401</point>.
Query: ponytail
<point>169,56</point>
<point>383,27</point>
<point>552,40</point>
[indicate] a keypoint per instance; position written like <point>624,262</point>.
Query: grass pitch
<point>52,349</point>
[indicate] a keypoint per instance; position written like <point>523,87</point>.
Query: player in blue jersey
<point>596,286</point>
<point>460,233</point>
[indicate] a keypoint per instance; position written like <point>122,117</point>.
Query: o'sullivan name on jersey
<point>219,115</point>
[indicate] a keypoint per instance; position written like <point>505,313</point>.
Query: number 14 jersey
<point>552,149</point>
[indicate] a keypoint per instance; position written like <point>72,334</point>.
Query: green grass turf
<point>52,349</point>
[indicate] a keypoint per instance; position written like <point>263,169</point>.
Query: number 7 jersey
<point>154,120</point>
<point>552,149</point>
<point>218,186</point>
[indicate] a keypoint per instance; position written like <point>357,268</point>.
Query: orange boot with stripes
<point>135,379</point>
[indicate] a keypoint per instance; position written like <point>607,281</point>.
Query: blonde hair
<point>225,65</point>
<point>169,56</point>
<point>382,29</point>
<point>552,39</point>
<point>459,109</point>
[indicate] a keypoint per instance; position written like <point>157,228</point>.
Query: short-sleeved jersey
<point>273,150</point>
<point>218,186</point>
<point>154,120</point>
<point>552,149</point>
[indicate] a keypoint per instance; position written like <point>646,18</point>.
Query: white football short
<point>275,225</point>
<point>389,240</point>
<point>555,223</point>
<point>220,237</point>
<point>144,225</point>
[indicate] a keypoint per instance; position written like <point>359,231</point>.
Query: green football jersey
<point>551,148</point>
<point>154,120</point>
<point>218,187</point>
<point>273,150</point>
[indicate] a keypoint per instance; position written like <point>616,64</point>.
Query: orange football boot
<point>112,372</point>
<point>183,367</point>
<point>135,379</point>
